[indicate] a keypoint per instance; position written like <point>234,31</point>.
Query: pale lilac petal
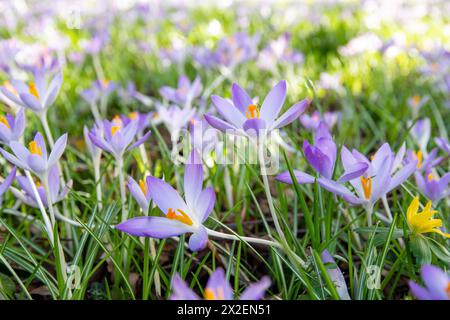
<point>219,285</point>
<point>291,114</point>
<point>340,190</point>
<point>435,280</point>
<point>205,203</point>
<point>36,163</point>
<point>39,138</point>
<point>14,160</point>
<point>228,111</point>
<point>382,178</point>
<point>240,97</point>
<point>100,142</point>
<point>164,196</point>
<point>335,275</point>
<point>273,102</point>
<point>193,178</point>
<point>219,124</point>
<point>354,171</point>
<point>8,181</point>
<point>402,175</point>
<point>57,151</point>
<point>198,239</point>
<point>154,227</point>
<point>181,291</point>
<point>255,126</point>
<point>138,195</point>
<point>31,102</point>
<point>256,291</point>
<point>301,177</point>
<point>139,141</point>
<point>20,151</point>
<point>419,292</point>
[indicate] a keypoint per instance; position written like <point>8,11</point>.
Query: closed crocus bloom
<point>437,284</point>
<point>335,275</point>
<point>35,157</point>
<point>421,132</point>
<point>96,130</point>
<point>117,137</point>
<point>423,222</point>
<point>433,187</point>
<point>443,144</point>
<point>28,197</point>
<point>4,186</point>
<point>140,193</point>
<point>242,116</point>
<point>37,95</point>
<point>181,215</point>
<point>376,181</point>
<point>12,128</point>
<point>218,288</point>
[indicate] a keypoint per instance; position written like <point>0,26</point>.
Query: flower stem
<point>47,130</point>
<point>227,236</point>
<point>267,189</point>
<point>97,177</point>
<point>386,206</point>
<point>119,161</point>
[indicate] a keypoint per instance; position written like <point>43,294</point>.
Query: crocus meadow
<point>155,150</point>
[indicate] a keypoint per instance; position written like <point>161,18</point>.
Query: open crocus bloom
<point>376,181</point>
<point>423,222</point>
<point>185,92</point>
<point>218,288</point>
<point>433,187</point>
<point>12,128</point>
<point>8,181</point>
<point>437,284</point>
<point>116,137</point>
<point>143,120</point>
<point>140,193</point>
<point>181,216</point>
<point>243,116</point>
<point>35,158</point>
<point>37,95</point>
<point>28,197</point>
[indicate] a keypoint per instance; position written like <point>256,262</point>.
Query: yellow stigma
<point>415,100</point>
<point>38,184</point>
<point>252,112</point>
<point>114,129</point>
<point>423,222</point>
<point>143,186</point>
<point>5,122</point>
<point>430,177</point>
<point>133,115</point>
<point>35,148</point>
<point>33,90</point>
<point>105,83</point>
<point>210,295</point>
<point>182,217</point>
<point>367,186</point>
<point>419,157</point>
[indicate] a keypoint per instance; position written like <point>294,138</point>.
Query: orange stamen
<point>430,177</point>
<point>143,186</point>
<point>33,90</point>
<point>35,148</point>
<point>209,294</point>
<point>367,186</point>
<point>114,129</point>
<point>252,112</point>
<point>415,100</point>
<point>5,122</point>
<point>183,217</point>
<point>133,115</point>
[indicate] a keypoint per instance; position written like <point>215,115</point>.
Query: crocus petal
<point>219,286</point>
<point>354,171</point>
<point>58,149</point>
<point>228,111</point>
<point>100,142</point>
<point>273,102</point>
<point>139,141</point>
<point>8,181</point>
<point>256,291</point>
<point>36,163</point>
<point>199,239</point>
<point>181,291</point>
<point>193,178</point>
<point>255,126</point>
<point>39,138</point>
<point>382,178</point>
<point>318,160</point>
<point>205,203</point>
<point>301,177</point>
<point>219,124</point>
<point>336,275</point>
<point>31,102</point>
<point>240,98</point>
<point>340,190</point>
<point>164,196</point>
<point>19,150</point>
<point>14,160</point>
<point>53,90</point>
<point>402,175</point>
<point>138,195</point>
<point>11,96</point>
<point>154,227</point>
<point>435,280</point>
<point>419,292</point>
<point>291,114</point>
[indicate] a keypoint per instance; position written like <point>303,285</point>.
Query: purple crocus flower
<point>310,122</point>
<point>28,197</point>
<point>98,90</point>
<point>335,275</point>
<point>117,137</point>
<point>7,182</point>
<point>433,187</point>
<point>242,116</point>
<point>424,162</point>
<point>443,144</point>
<point>143,120</point>
<point>203,137</point>
<point>35,158</point>
<point>140,193</point>
<point>437,284</point>
<point>174,118</point>
<point>380,177</point>
<point>185,93</point>
<point>181,216</point>
<point>236,49</point>
<point>218,288</point>
<point>421,132</point>
<point>37,96</point>
<point>322,157</point>
<point>278,51</point>
<point>12,128</point>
